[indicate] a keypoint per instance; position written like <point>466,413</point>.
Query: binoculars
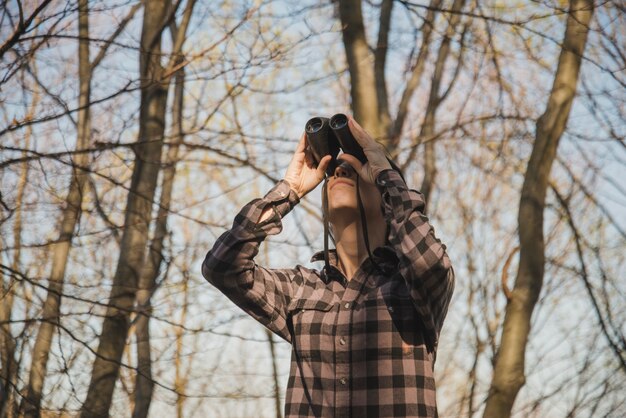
<point>328,136</point>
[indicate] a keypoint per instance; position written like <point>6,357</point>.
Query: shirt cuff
<point>389,177</point>
<point>282,197</point>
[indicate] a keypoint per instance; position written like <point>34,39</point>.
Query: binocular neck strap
<point>364,225</point>
<point>326,228</point>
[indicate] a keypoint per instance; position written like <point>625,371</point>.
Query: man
<point>364,331</point>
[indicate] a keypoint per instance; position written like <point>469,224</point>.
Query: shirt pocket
<point>311,327</point>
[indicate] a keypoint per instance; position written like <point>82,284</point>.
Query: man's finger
<point>308,159</point>
<point>302,143</point>
<point>323,165</point>
<point>362,137</point>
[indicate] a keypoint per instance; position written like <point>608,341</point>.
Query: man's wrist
<point>293,189</point>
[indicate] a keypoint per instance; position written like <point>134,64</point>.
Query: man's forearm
<point>267,213</point>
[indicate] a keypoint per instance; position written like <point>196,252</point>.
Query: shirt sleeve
<point>423,261</point>
<point>262,293</point>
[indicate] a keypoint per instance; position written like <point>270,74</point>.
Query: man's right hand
<point>302,175</point>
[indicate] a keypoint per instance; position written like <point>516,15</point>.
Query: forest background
<point>132,132</point>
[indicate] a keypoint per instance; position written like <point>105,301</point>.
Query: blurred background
<point>131,133</point>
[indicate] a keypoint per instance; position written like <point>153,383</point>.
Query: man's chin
<point>343,212</point>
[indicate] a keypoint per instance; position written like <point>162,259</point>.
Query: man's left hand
<point>376,158</point>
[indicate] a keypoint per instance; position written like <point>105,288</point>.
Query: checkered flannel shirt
<point>360,348</point>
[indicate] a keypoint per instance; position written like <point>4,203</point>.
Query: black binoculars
<point>328,136</point>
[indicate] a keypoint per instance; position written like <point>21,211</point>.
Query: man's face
<point>342,199</point>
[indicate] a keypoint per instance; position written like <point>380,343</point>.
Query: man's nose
<point>344,170</point>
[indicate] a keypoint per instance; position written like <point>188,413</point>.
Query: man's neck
<point>350,242</point>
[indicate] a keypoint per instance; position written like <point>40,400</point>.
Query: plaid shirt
<point>361,348</point>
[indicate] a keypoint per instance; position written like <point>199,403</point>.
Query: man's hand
<point>302,175</point>
<point>376,158</point>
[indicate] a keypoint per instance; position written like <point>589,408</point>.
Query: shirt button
<point>343,381</point>
<point>390,309</point>
<point>347,305</point>
<point>342,341</point>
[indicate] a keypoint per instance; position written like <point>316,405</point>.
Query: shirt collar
<point>382,255</point>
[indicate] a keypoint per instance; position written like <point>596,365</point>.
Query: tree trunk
<point>150,273</point>
<point>181,375</point>
<point>359,58</point>
<point>31,404</point>
<point>508,375</point>
<point>8,374</point>
<point>8,343</point>
<point>380,59</point>
<point>138,213</point>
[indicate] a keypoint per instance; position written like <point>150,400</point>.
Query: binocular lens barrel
<point>339,126</point>
<point>339,121</point>
<point>328,137</point>
<point>314,125</point>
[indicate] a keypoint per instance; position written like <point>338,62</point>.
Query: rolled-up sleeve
<point>423,260</point>
<point>229,266</point>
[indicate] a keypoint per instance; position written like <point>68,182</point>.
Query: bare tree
<point>368,85</point>
<point>151,270</point>
<point>435,98</point>
<point>31,403</point>
<point>154,85</point>
<point>9,371</point>
<point>359,58</point>
<point>8,341</point>
<point>509,368</point>
<point>466,78</point>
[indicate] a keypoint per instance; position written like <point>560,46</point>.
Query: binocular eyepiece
<point>329,136</point>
